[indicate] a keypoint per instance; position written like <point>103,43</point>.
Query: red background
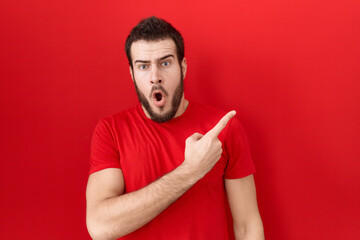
<point>290,69</point>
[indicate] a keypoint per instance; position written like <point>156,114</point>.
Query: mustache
<point>158,87</point>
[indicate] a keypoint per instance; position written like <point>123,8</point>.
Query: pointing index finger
<point>215,131</point>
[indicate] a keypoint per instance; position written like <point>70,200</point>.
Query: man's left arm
<point>244,209</point>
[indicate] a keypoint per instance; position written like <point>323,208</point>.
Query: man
<point>168,168</point>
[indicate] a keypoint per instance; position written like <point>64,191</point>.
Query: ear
<point>184,66</point>
<point>131,73</point>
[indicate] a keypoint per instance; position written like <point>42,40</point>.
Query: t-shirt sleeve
<point>239,163</point>
<point>103,151</point>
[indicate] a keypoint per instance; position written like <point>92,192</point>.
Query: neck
<point>183,105</point>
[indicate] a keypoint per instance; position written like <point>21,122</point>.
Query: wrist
<point>187,173</point>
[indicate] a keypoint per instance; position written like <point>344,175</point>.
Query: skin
<point>111,213</point>
<point>156,64</point>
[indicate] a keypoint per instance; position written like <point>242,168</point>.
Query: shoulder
<point>119,121</point>
<point>211,113</point>
<point>207,110</point>
<point>209,116</point>
<point>126,115</point>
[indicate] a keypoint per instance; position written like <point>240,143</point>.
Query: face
<point>158,78</point>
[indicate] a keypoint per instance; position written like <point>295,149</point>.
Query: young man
<point>168,168</point>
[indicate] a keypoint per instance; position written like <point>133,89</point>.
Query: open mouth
<point>158,98</point>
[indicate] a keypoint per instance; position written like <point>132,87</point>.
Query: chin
<point>160,110</point>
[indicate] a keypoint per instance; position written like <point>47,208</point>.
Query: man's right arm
<point>111,214</point>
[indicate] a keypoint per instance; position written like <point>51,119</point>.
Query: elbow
<point>250,230</point>
<point>97,231</point>
<point>101,231</point>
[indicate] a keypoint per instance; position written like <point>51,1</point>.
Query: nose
<point>155,76</point>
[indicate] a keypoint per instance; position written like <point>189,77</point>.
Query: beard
<point>175,101</point>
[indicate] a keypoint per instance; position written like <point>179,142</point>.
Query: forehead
<point>151,50</point>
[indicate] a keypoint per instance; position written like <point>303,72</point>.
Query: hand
<point>203,151</point>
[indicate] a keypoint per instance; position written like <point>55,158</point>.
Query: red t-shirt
<point>145,150</point>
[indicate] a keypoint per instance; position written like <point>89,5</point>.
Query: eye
<point>165,64</point>
<point>142,67</point>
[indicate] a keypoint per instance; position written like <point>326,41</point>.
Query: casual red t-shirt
<point>145,150</point>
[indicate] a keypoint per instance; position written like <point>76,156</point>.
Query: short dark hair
<point>152,29</point>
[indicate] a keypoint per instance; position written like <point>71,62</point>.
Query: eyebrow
<point>162,58</point>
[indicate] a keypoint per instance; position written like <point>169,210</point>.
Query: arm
<point>242,200</point>
<point>111,214</point>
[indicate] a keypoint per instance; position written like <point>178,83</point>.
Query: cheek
<point>173,79</point>
<point>140,77</point>
<point>141,82</point>
<point>145,90</point>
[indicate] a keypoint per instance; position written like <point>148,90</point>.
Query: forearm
<point>118,216</point>
<point>251,231</point>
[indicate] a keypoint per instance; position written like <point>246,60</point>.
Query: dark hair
<point>152,29</point>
